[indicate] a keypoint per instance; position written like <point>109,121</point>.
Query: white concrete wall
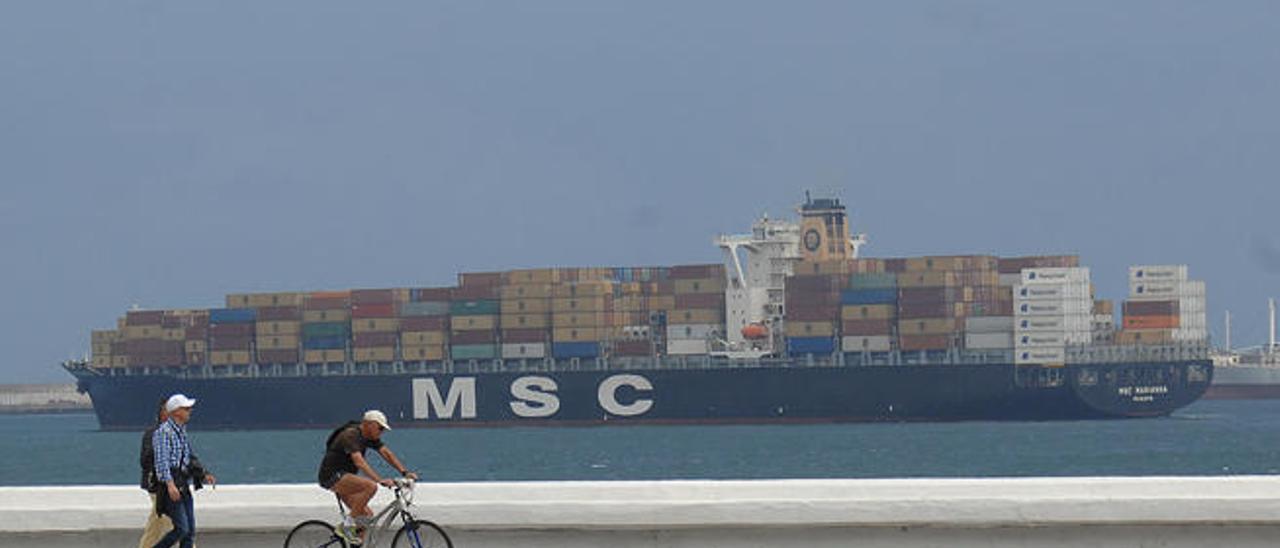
<point>956,513</point>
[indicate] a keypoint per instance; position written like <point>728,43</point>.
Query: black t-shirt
<point>337,457</point>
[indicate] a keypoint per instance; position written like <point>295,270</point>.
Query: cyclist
<point>344,460</point>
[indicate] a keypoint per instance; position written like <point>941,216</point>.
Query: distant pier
<point>1168,512</point>
<point>42,398</point>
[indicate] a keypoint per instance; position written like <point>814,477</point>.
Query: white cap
<point>178,401</point>
<point>373,415</point>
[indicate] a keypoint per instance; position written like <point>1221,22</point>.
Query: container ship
<point>1251,373</point>
<point>791,326</point>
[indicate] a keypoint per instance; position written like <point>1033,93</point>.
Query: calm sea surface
<point>1210,437</point>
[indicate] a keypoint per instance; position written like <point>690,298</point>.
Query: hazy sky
<point>166,153</point>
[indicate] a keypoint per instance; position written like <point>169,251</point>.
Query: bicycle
<point>412,533</point>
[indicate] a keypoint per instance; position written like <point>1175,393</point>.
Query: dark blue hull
<point>647,396</point>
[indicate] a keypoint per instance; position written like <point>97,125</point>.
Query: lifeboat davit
<point>755,331</point>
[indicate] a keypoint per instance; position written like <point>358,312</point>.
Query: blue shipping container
<point>575,349</point>
<point>869,296</point>
<point>797,346</point>
<point>232,315</point>
<point>325,343</point>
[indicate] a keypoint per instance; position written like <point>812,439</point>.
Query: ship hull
<point>671,396</point>
<point>1242,382</point>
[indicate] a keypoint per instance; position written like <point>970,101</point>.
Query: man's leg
<point>177,514</point>
<point>356,492</point>
<point>189,508</point>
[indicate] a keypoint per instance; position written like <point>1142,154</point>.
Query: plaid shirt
<point>172,449</point>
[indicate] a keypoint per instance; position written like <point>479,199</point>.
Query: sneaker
<point>351,534</point>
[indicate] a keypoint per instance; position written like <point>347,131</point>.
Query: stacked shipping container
<point>1163,307</point>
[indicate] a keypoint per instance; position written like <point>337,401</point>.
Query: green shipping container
<point>475,308</point>
<point>873,280</point>
<point>321,330</point>
<point>473,351</point>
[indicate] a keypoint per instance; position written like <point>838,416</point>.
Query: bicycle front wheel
<point>421,533</point>
<point>314,534</point>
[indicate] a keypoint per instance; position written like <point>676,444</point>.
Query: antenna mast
<point>1271,340</point>
<point>1228,322</point>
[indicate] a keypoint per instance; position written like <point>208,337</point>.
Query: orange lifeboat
<point>755,331</point>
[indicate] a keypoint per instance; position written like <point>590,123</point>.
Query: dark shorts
<point>330,480</point>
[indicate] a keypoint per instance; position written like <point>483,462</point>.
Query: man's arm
<point>391,459</point>
<point>363,465</point>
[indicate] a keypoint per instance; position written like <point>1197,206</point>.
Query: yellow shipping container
<point>811,329</point>
<point>422,338</point>
<point>423,353</point>
<point>279,328</point>
<point>474,323</point>
<point>526,291</point>
<point>581,319</point>
<point>630,303</point>
<point>702,285</point>
<point>380,354</point>
<point>808,268</point>
<point>375,325</point>
<point>531,276</point>
<point>119,361</point>
<point>926,278</point>
<point>135,332</point>
<point>526,306</point>
<point>326,356</point>
<point>277,342</point>
<point>952,262</point>
<point>326,316</point>
<point>195,359</point>
<point>173,334</point>
<point>587,274</point>
<point>104,336</point>
<point>229,357</point>
<point>1144,336</point>
<point>582,304</point>
<point>576,334</point>
<point>100,349</point>
<point>583,289</point>
<point>196,346</point>
<point>695,315</point>
<point>662,302</point>
<point>101,361</point>
<point>525,321</point>
<point>930,326</point>
<point>264,300</point>
<point>868,312</point>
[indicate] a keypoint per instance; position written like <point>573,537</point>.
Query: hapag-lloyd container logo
<point>532,396</point>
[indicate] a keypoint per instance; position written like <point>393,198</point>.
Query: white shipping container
<point>684,347</point>
<point>1079,322</point>
<point>1055,275</point>
<point>1168,272</point>
<point>988,341</point>
<point>1040,339</point>
<point>1166,290</point>
<point>1051,356</point>
<point>692,331</point>
<point>1183,334</point>
<point>1079,337</point>
<point>515,351</point>
<point>988,324</point>
<point>1057,292</point>
<point>877,343</point>
<point>1053,308</point>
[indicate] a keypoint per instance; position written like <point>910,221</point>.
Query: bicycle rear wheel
<point>421,533</point>
<point>314,534</point>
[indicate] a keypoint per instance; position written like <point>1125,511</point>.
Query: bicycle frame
<point>381,522</point>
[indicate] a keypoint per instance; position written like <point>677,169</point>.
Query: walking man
<point>176,470</point>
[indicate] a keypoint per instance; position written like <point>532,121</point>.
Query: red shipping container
<point>372,296</point>
<point>328,303</point>
<point>277,356</point>
<point>173,322</point>
<point>695,271</point>
<point>815,283</point>
<point>926,309</point>
<point>866,328</point>
<point>424,323</point>
<point>386,310</point>
<point>811,300</point>
<point>665,287</point>
<point>813,313</point>
<point>197,333</point>
<point>516,336</point>
<point>927,294</point>
<point>1151,308</point>
<point>895,265</point>
<point>480,279</point>
<point>633,348</point>
<point>143,317</point>
<point>473,337</point>
<point>153,346</point>
<point>924,342</point>
<point>231,330</point>
<point>375,340</point>
<point>279,314</point>
<point>1151,322</point>
<point>700,300</point>
<point>200,320</point>
<point>475,293</point>
<point>1014,265</point>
